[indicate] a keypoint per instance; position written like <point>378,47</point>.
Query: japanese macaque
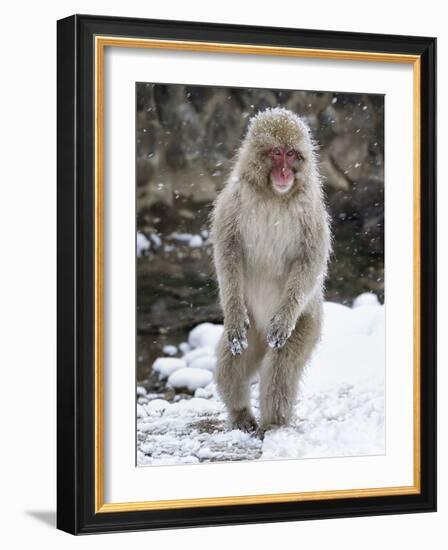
<point>271,246</point>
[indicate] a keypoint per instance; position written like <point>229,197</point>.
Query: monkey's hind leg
<point>233,375</point>
<point>281,371</point>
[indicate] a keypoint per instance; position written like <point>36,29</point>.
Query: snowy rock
<point>207,362</point>
<point>141,392</point>
<point>182,237</point>
<point>366,299</point>
<point>169,350</point>
<point>190,378</point>
<point>204,393</point>
<point>143,245</point>
<point>184,347</point>
<point>194,354</point>
<point>157,241</point>
<point>195,241</point>
<point>205,335</point>
<point>166,366</point>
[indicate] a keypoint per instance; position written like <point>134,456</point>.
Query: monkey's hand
<point>279,330</point>
<point>237,337</point>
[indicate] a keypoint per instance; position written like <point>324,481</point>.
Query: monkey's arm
<point>306,276</point>
<point>228,258</point>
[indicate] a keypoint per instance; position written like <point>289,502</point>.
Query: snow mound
<point>190,378</point>
<point>143,245</point>
<point>165,366</point>
<point>195,241</point>
<point>366,299</point>
<point>184,347</point>
<point>156,240</point>
<point>341,320</point>
<point>338,320</point>
<point>169,350</point>
<point>197,353</point>
<point>205,393</point>
<point>205,335</point>
<point>370,319</point>
<point>207,362</point>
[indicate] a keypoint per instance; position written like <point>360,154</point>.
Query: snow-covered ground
<point>339,412</point>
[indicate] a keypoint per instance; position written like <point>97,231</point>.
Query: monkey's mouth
<point>282,183</point>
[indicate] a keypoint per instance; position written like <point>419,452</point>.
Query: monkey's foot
<point>237,339</point>
<point>278,332</point>
<point>244,420</point>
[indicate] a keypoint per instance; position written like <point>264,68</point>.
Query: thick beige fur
<point>270,252</point>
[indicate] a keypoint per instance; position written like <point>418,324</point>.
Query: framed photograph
<point>246,274</point>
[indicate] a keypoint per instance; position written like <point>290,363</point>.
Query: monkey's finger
<point>238,346</point>
<point>276,340</point>
<point>235,347</point>
<point>237,341</point>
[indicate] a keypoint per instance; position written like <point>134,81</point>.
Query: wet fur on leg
<point>281,372</point>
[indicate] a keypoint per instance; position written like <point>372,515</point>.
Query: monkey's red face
<point>284,161</point>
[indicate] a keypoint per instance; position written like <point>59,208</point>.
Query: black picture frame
<point>76,512</point>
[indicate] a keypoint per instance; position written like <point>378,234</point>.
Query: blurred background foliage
<point>186,138</point>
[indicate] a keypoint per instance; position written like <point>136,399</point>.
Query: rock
<point>205,335</point>
<point>194,354</point>
<point>165,366</point>
<point>190,379</point>
<point>207,362</point>
<point>170,350</point>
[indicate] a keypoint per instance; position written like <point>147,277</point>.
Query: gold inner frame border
<point>101,42</point>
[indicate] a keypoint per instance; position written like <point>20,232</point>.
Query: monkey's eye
<point>291,153</point>
<point>276,151</point>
